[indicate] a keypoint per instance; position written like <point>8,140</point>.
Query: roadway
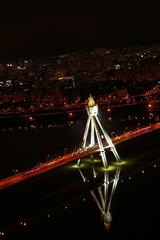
<point>76,107</point>
<point>44,167</point>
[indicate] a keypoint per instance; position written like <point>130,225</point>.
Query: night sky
<point>61,26</point>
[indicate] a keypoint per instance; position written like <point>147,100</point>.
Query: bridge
<point>152,96</point>
<point>94,126</point>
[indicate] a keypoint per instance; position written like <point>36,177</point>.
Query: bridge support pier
<point>94,132</point>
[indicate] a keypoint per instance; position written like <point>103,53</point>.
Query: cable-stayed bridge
<point>92,143</point>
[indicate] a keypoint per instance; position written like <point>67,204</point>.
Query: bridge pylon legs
<point>95,134</point>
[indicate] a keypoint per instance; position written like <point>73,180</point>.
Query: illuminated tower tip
<point>91,101</point>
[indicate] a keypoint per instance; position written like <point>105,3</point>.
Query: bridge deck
<point>37,170</point>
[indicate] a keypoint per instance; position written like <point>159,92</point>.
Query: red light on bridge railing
<point>30,118</point>
<point>70,114</point>
<point>149,105</point>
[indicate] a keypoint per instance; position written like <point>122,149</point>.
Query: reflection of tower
<point>94,132</point>
<point>106,192</point>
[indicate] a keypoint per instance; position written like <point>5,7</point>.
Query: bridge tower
<point>105,194</point>
<point>94,133</point>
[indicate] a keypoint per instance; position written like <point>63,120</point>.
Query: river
<point>59,202</point>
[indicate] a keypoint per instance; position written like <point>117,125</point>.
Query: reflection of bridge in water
<point>92,143</point>
<point>103,194</point>
<point>106,192</point>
